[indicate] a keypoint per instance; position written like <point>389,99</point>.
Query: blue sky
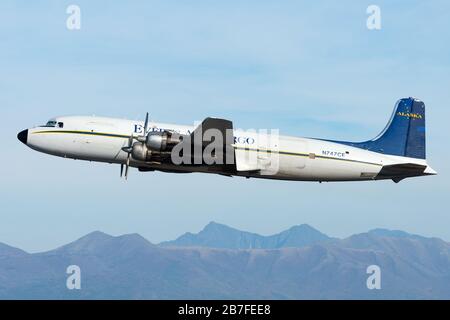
<point>307,68</point>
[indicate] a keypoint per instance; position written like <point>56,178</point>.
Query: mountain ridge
<point>130,267</point>
<point>216,235</point>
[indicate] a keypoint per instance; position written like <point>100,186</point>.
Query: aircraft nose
<point>23,136</point>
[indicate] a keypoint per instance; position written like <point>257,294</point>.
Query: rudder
<point>415,145</point>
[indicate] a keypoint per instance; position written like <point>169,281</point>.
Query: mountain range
<point>221,262</point>
<point>216,235</point>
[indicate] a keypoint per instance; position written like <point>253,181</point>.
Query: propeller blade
<point>146,125</point>
<point>128,149</point>
<point>127,166</point>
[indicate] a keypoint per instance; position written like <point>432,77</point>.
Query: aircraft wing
<point>221,125</point>
<point>207,132</point>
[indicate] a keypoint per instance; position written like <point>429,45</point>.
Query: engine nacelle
<point>162,141</point>
<point>141,152</point>
<point>157,141</point>
<point>156,146</point>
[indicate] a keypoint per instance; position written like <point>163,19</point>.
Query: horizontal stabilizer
<point>398,172</point>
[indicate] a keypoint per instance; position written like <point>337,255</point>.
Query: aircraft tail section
<point>404,134</point>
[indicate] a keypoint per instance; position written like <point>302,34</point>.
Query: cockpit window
<point>51,123</point>
<point>54,124</point>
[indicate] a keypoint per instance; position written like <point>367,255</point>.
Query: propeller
<point>144,136</point>
<point>127,166</point>
<point>146,125</point>
<point>129,148</point>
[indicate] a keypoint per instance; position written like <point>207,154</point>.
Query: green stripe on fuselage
<point>306,155</point>
<point>89,133</point>
<point>287,153</point>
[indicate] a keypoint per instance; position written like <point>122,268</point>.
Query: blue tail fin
<point>404,134</point>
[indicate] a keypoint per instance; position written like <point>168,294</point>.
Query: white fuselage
<point>102,139</point>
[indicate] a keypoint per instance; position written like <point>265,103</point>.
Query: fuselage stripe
<point>306,155</point>
<point>288,153</point>
<point>92,133</point>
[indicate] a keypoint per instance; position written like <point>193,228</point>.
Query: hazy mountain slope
<point>6,250</point>
<point>130,267</point>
